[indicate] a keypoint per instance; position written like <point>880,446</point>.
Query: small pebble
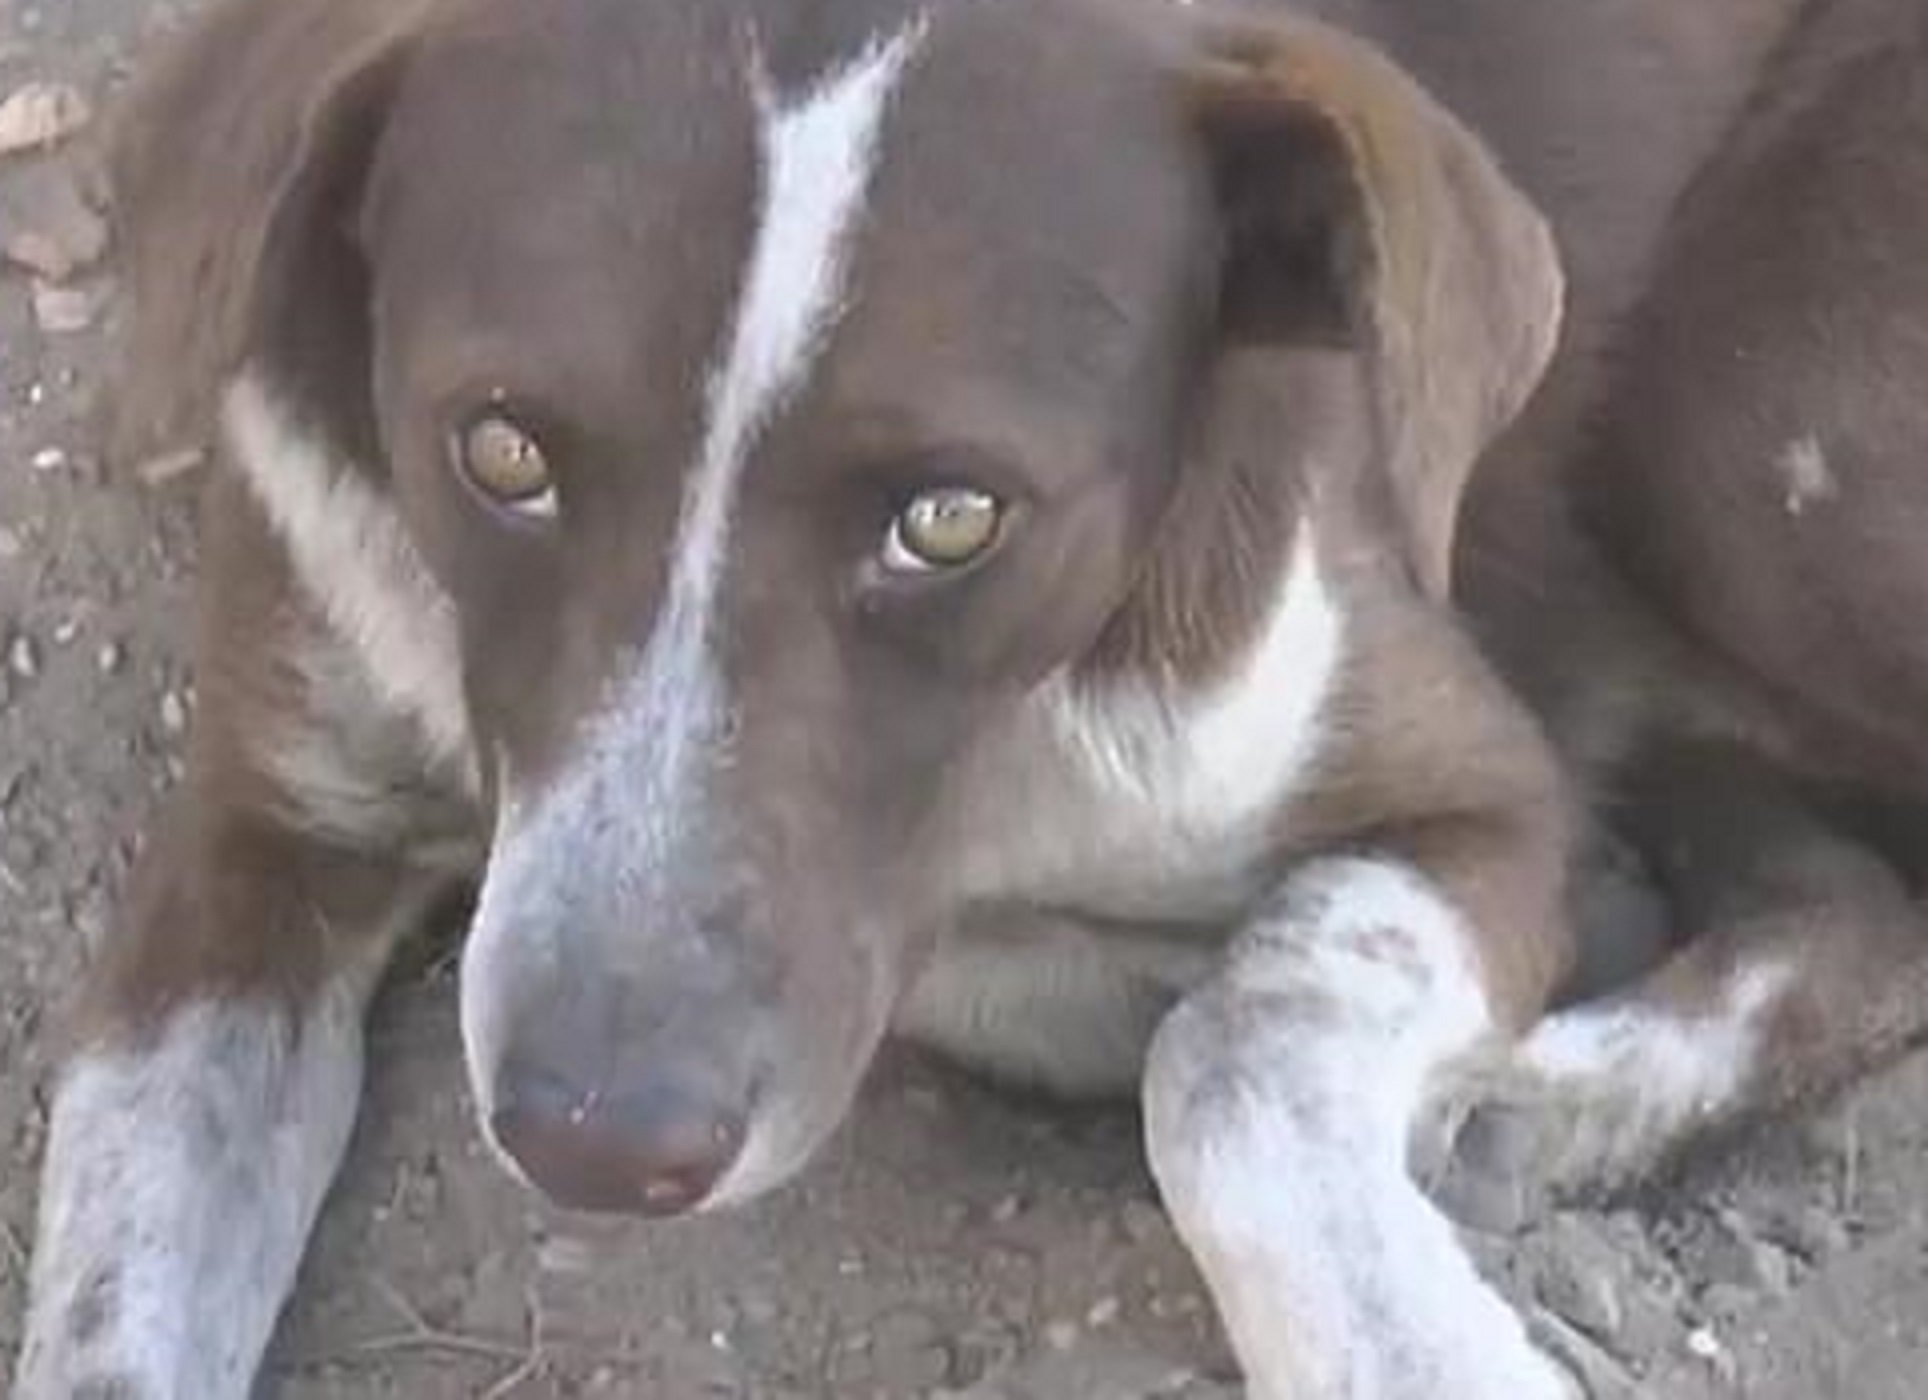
<point>1702,1343</point>
<point>173,712</point>
<point>41,114</point>
<point>157,472</point>
<point>63,310</point>
<point>110,658</point>
<point>49,459</point>
<point>23,657</point>
<point>50,229</point>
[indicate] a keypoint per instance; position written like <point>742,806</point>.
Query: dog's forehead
<point>527,139</point>
<point>575,210</point>
<point>1034,219</point>
<point>562,174</point>
<point>640,81</point>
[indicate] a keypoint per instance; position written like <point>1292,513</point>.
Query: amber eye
<point>507,464</point>
<point>945,527</point>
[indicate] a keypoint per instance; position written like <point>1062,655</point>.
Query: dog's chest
<point>1164,806</point>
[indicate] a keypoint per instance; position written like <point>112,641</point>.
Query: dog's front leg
<point>203,1115</point>
<point>214,1066</point>
<point>1280,1097</point>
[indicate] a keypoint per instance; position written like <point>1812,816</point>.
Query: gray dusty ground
<point>953,1238</point>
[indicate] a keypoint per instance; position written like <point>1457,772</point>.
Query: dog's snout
<point>656,1146</point>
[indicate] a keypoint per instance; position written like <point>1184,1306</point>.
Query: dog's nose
<point>657,1149</point>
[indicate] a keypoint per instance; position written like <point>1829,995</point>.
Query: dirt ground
<point>954,1241</point>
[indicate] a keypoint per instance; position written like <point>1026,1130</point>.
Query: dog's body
<point>604,383</point>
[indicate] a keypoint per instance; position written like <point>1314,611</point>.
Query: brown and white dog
<point>939,514</point>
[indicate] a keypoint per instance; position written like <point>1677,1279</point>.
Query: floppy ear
<point>235,167</point>
<point>1357,214</point>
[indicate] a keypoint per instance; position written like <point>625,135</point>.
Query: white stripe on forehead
<point>817,156</point>
<point>630,805</point>
<point>816,151</point>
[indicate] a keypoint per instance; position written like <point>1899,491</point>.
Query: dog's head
<point>783,405</point>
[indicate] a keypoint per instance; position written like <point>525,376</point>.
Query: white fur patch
<point>1659,1070</point>
<point>1153,802</point>
<point>1222,758</point>
<point>818,153</point>
<point>1378,991</point>
<point>1807,478</point>
<point>631,804</point>
<point>1135,803</point>
<point>356,562</point>
<point>1279,1100</point>
<point>181,1181</point>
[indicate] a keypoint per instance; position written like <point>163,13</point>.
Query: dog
<point>945,517</point>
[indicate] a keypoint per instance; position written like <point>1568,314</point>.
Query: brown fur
<point>1731,650</point>
<point>1308,280</point>
<point>264,94</point>
<point>1451,260</point>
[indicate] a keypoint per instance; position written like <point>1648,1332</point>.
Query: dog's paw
<point>1517,1138</point>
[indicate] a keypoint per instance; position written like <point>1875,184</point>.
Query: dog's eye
<point>507,464</point>
<point>945,527</point>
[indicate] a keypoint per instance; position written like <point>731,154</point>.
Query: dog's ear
<point>235,167</point>
<point>1360,221</point>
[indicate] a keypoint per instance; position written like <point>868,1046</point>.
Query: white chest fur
<point>1140,805</point>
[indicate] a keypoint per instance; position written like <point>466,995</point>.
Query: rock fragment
<point>38,115</point>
